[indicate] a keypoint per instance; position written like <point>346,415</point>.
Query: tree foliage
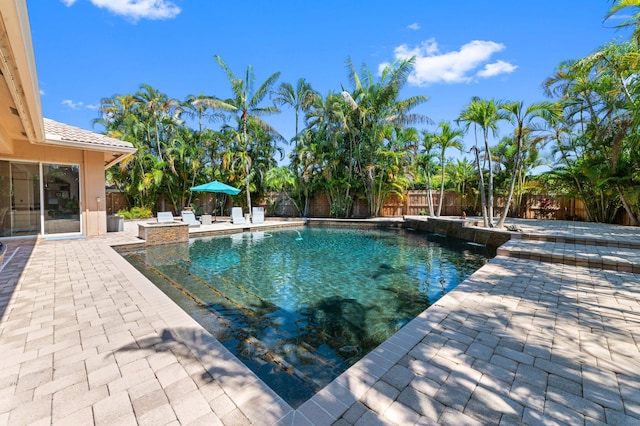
<point>363,142</point>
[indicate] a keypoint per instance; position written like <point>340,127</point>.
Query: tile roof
<point>60,132</point>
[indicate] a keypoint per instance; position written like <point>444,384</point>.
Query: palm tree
<point>486,115</point>
<point>245,105</point>
<point>600,96</point>
<point>163,112</point>
<point>522,120</point>
<point>200,108</point>
<point>283,180</point>
<point>300,99</point>
<point>631,21</point>
<point>374,108</point>
<point>424,161</point>
<point>447,138</point>
<point>462,173</point>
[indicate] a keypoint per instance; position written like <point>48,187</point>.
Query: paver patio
<point>85,338</point>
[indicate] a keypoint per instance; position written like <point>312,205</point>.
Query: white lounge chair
<point>236,216</point>
<point>165,217</point>
<point>189,218</point>
<point>257,215</point>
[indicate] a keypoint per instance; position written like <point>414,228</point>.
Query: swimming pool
<point>301,305</point>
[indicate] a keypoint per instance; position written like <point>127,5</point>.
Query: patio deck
<point>85,338</point>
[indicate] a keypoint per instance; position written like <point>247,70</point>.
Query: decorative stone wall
<point>460,228</point>
<point>154,233</point>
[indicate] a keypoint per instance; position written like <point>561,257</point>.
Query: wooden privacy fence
<point>413,203</point>
<point>552,207</point>
<point>417,203</point>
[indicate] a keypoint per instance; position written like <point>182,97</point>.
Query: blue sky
<point>87,50</point>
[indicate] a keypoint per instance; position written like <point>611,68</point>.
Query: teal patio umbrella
<point>216,186</point>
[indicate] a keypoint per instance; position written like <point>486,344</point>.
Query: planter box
<point>154,233</point>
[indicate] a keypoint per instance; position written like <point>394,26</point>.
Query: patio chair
<point>165,217</point>
<point>257,215</point>
<point>236,216</point>
<point>189,218</point>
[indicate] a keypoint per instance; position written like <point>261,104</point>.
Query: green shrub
<point>136,213</point>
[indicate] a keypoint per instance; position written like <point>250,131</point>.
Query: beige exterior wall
<point>92,183</point>
<point>94,213</point>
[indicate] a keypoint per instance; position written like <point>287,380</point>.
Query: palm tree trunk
<point>371,192</point>
<point>429,195</point>
<point>490,188</point>
<point>441,189</point>
<point>512,184</point>
<point>306,203</point>
<point>632,217</point>
<point>481,188</point>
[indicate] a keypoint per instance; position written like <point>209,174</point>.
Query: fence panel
<point>414,203</point>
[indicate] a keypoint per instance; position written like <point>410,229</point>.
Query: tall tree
<point>200,108</point>
<point>521,118</point>
<point>163,113</point>
<point>425,162</point>
<point>445,139</point>
<point>600,95</point>
<point>485,114</point>
<point>245,104</point>
<point>374,109</point>
<point>300,99</point>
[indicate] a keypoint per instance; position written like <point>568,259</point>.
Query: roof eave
<point>18,65</point>
<point>55,140</point>
<point>117,160</point>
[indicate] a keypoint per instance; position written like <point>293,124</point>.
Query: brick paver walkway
<point>84,338</point>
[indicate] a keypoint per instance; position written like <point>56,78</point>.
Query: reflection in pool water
<point>299,306</point>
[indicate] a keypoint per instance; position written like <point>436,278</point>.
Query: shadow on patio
<point>15,259</point>
<point>556,345</point>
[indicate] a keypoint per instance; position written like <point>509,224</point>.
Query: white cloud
<point>70,103</point>
<point>137,9</point>
<point>42,92</point>
<point>415,26</point>
<point>497,68</point>
<point>433,66</point>
<point>78,105</point>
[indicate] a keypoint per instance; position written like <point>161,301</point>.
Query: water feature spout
<point>299,236</point>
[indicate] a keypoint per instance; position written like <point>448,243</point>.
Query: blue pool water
<point>301,305</point>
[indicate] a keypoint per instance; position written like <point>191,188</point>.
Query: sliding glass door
<point>61,198</point>
<point>19,199</point>
<point>34,195</point>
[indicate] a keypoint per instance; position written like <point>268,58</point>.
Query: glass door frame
<point>42,195</point>
<point>42,205</point>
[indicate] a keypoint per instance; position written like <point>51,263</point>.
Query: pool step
<point>574,251</point>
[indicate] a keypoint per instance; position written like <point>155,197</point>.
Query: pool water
<point>301,305</point>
